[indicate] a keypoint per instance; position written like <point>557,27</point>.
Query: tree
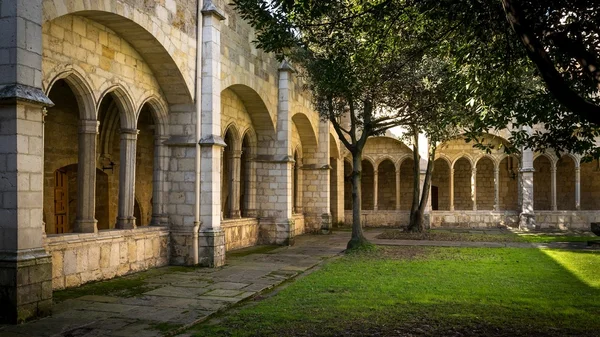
<point>356,56</point>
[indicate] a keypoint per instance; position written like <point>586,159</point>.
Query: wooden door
<point>434,198</point>
<point>61,202</point>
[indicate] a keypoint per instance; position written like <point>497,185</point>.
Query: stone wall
<point>462,185</point>
<point>485,184</point>
<point>386,193</point>
<point>508,185</point>
<point>473,219</point>
<point>542,181</point>
<point>240,233</point>
<point>590,185</point>
<point>391,218</point>
<point>566,220</point>
<point>565,183</point>
<point>406,184</point>
<point>441,180</point>
<point>82,258</point>
<point>367,185</point>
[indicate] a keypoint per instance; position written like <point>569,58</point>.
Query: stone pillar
<point>159,180</point>
<point>554,206</point>
<point>250,206</point>
<point>298,205</point>
<point>452,188</point>
<point>375,188</point>
<point>496,187</point>
<point>86,178</point>
<point>125,218</point>
<point>211,238</point>
<point>339,204</point>
<point>25,267</point>
<point>527,215</point>
<point>474,187</point>
<point>234,199</point>
<point>398,189</point>
<point>577,187</point>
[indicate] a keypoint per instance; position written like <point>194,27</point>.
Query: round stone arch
<point>334,148</point>
<point>263,120</point>
<point>494,160</point>
<point>384,158</point>
<point>137,29</point>
<point>159,113</point>
<point>79,84</point>
<point>235,135</point>
<point>463,155</point>
<point>127,112</point>
<point>306,131</point>
<point>252,140</point>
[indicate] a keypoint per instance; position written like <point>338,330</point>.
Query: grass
<point>126,286</point>
<point>481,237</point>
<point>428,291</point>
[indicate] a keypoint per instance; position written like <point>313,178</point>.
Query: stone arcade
<point>141,133</point>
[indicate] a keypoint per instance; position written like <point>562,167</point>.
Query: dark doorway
<point>434,198</point>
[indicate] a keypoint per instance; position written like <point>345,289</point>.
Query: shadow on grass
<point>431,292</point>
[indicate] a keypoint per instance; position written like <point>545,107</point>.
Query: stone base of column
<point>159,220</point>
<point>184,246</point>
<point>526,221</point>
<point>126,223</point>
<point>250,213</point>
<point>86,226</point>
<point>236,214</point>
<point>326,223</point>
<point>211,248</point>
<point>25,286</point>
<point>285,231</point>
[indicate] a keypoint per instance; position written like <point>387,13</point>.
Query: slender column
<point>527,215</point>
<point>161,166</point>
<point>375,188</point>
<point>496,188</point>
<point>577,187</point>
<point>86,178</point>
<point>298,206</point>
<point>553,186</point>
<point>125,218</point>
<point>452,189</point>
<point>250,206</point>
<point>234,199</point>
<point>474,187</point>
<point>398,189</point>
<point>25,267</point>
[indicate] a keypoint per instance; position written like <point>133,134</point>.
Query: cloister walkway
<point>174,298</point>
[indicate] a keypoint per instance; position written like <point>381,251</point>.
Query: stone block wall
<point>542,180</point>
<point>386,198</point>
<point>590,185</point>
<point>240,233</point>
<point>566,220</point>
<point>441,180</point>
<point>82,258</point>
<point>473,219</point>
<point>485,184</point>
<point>462,185</point>
<point>565,184</point>
<point>509,193</point>
<point>406,184</point>
<point>391,218</point>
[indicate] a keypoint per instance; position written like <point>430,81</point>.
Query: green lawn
<point>426,291</point>
<point>481,237</point>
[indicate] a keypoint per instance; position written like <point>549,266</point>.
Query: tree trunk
<point>419,225</point>
<point>357,233</point>
<point>414,209</point>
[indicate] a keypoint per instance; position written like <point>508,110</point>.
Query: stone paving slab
<point>181,299</point>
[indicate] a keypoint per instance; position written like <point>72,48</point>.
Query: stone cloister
<point>142,133</point>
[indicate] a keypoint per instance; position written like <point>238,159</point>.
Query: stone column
<point>86,178</point>
<point>474,187</point>
<point>159,181</point>
<point>125,218</point>
<point>211,238</point>
<point>398,189</point>
<point>375,188</point>
<point>298,206</point>
<point>527,215</point>
<point>339,204</point>
<point>577,187</point>
<point>554,206</point>
<point>452,189</point>
<point>234,198</point>
<point>496,187</point>
<point>25,267</point>
<point>251,211</point>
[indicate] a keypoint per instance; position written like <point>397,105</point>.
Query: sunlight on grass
<point>584,265</point>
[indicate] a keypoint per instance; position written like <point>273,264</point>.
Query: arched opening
<point>485,184</point>
<point>144,171</point>
<point>102,199</point>
<point>440,186</point>
<point>508,184</point>
<point>542,177</point>
<point>406,184</point>
<point>367,185</point>
<point>228,175</point>
<point>347,185</point>
<point>245,176</point>
<point>386,191</point>
<point>463,199</point>
<point>590,187</point>
<point>565,183</point>
<point>137,211</point>
<point>61,148</point>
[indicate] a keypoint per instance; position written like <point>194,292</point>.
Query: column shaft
<point>452,189</point>
<point>527,215</point>
<point>554,205</point>
<point>496,188</point>
<point>159,179</point>
<point>375,189</point>
<point>234,198</point>
<point>577,188</point>
<point>125,218</point>
<point>474,187</point>
<point>250,206</point>
<point>398,189</point>
<point>86,177</point>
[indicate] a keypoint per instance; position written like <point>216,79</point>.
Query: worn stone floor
<point>182,299</point>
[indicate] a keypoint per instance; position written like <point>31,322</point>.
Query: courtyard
<point>511,284</point>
